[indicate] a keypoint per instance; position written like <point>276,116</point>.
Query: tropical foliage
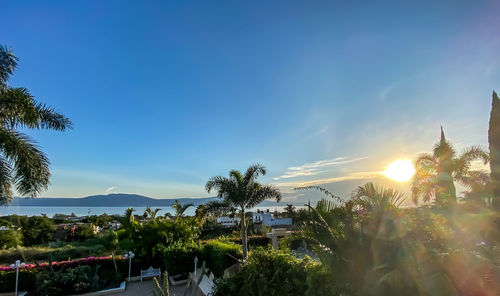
<point>218,255</point>
<point>436,173</point>
<point>180,208</point>
<point>271,272</point>
<point>371,246</point>
<point>23,165</point>
<point>241,191</point>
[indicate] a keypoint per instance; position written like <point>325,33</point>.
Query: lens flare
<point>400,170</point>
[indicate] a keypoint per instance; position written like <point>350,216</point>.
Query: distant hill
<point>110,200</point>
<point>120,200</point>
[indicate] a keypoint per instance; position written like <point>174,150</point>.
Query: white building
<point>115,225</point>
<point>269,220</point>
<point>228,221</point>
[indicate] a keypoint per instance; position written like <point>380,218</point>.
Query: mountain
<point>110,200</point>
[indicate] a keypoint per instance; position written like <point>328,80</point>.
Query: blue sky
<point>165,94</point>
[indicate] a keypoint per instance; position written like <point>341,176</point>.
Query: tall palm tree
<point>436,172</point>
<point>22,164</point>
<point>180,209</point>
<point>242,191</point>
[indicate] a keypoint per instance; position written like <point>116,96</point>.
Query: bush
<point>76,280</point>
<point>253,241</point>
<point>37,230</point>
<point>178,257</point>
<point>270,272</point>
<point>220,255</point>
<point>10,238</point>
<point>27,279</point>
<point>56,253</point>
<point>65,277</point>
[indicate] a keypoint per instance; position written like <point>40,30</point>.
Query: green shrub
<point>178,257</point>
<point>253,241</point>
<point>27,279</point>
<point>39,253</point>
<point>37,230</point>
<point>270,272</point>
<point>10,239</point>
<point>77,280</point>
<point>220,255</point>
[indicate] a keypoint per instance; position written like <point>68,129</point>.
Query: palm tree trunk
<point>114,261</point>
<point>244,234</point>
<point>446,195</point>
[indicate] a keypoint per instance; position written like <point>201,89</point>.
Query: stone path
<point>146,288</point>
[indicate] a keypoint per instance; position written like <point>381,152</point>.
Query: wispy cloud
<point>314,168</point>
<point>387,90</point>
<point>321,131</point>
<point>110,189</point>
<point>348,177</point>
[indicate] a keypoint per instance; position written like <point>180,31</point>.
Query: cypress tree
<point>494,145</point>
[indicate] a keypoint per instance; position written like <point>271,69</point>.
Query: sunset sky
<point>164,95</point>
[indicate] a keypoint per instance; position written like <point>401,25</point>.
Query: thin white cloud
<point>110,190</point>
<point>314,168</point>
<point>387,90</point>
<point>351,176</point>
<point>321,131</point>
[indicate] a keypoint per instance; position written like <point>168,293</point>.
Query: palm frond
<point>474,153</point>
<point>19,109</point>
<point>373,197</point>
<point>444,150</point>
<point>253,172</point>
<point>323,190</point>
<point>31,166</point>
<point>425,160</point>
<point>262,193</point>
<point>221,184</point>
<point>219,208</point>
<point>8,63</point>
<point>5,182</point>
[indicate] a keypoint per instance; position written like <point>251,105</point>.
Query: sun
<point>400,170</point>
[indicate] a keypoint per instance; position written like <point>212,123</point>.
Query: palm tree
<point>22,164</point>
<point>149,212</point>
<point>201,214</point>
<point>375,198</point>
<point>180,209</point>
<point>436,172</point>
<point>242,192</point>
<point>290,211</point>
<point>110,244</point>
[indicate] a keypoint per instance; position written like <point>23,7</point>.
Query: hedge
<point>27,276</point>
<point>220,255</point>
<point>27,280</point>
<point>178,258</point>
<point>253,241</point>
<point>33,254</point>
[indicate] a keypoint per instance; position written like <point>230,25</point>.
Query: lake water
<point>84,211</point>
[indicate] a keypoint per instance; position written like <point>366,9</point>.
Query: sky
<point>166,94</point>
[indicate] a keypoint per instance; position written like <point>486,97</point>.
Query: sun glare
<point>400,170</point>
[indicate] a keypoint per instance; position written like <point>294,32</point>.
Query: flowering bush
<point>85,268</point>
<point>66,263</point>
